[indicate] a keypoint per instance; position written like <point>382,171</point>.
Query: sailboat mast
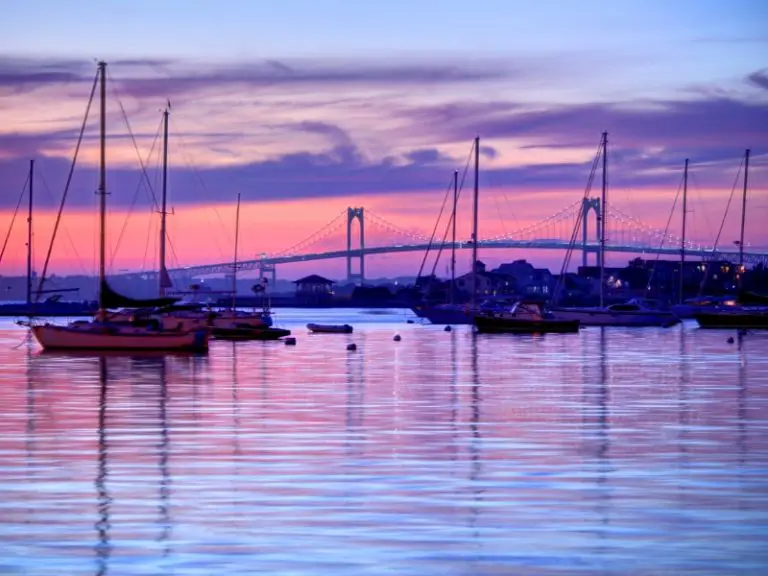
<point>682,240</point>
<point>453,234</point>
<point>234,264</point>
<point>102,188</point>
<point>29,232</point>
<point>474,223</point>
<point>743,208</point>
<point>603,213</point>
<point>163,211</point>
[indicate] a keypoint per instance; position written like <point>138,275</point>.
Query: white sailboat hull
<point>603,317</point>
<point>91,336</point>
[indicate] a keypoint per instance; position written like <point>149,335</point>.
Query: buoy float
<point>447,328</point>
<point>730,340</point>
<point>352,347</point>
<point>290,341</point>
<point>409,321</point>
<point>397,338</point>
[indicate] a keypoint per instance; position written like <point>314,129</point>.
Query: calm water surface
<point>610,451</point>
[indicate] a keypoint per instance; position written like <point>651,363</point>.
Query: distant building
<point>487,283</point>
<point>314,289</point>
<point>529,280</point>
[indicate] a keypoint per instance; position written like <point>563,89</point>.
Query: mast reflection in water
<point>446,452</point>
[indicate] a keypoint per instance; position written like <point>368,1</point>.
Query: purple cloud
<point>759,79</point>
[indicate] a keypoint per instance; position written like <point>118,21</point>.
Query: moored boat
<point>85,335</point>
<point>742,318</point>
<point>330,328</point>
<point>635,312</point>
<point>101,334</point>
<point>244,332</point>
<point>523,318</point>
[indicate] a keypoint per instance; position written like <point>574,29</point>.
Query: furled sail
<point>112,299</point>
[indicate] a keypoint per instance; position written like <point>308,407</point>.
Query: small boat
<point>523,318</point>
<point>693,306</point>
<point>330,328</point>
<point>245,332</point>
<point>635,312</point>
<point>739,318</point>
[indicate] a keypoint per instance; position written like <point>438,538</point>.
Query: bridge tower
<point>267,268</point>
<point>590,205</point>
<point>352,215</point>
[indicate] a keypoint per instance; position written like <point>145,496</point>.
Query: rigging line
<point>13,219</point>
<point>434,230</point>
<point>200,180</point>
<point>511,210</point>
<point>133,140</point>
<point>580,221</point>
<point>448,226</point>
<point>150,233</point>
<point>445,199</point>
<point>133,201</point>
<point>66,188</point>
<point>722,224</point>
<point>64,226</point>
<point>664,236</point>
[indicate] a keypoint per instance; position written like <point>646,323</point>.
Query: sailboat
<point>51,306</point>
<point>235,325</point>
<point>102,333</point>
<point>635,312</point>
<point>741,317</point>
<point>175,315</point>
<point>452,313</point>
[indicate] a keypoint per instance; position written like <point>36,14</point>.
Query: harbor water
<point>609,451</point>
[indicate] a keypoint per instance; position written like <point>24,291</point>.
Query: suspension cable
<point>66,189</point>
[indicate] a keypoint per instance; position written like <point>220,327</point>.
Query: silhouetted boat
<point>742,318</point>
<point>523,318</point>
<point>101,334</point>
<point>244,332</point>
<point>635,312</point>
<point>330,328</point>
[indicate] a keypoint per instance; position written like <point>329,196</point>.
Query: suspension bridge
<point>624,233</point>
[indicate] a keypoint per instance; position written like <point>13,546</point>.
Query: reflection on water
<point>610,451</point>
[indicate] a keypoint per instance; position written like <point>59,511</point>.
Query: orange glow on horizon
<point>201,234</point>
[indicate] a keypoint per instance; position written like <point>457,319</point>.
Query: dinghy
<point>330,328</point>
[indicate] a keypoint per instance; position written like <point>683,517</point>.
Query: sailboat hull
<point>738,319</point>
<point>445,314</point>
<point>502,325</point>
<point>111,337</point>
<point>603,317</point>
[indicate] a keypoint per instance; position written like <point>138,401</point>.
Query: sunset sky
<point>305,107</point>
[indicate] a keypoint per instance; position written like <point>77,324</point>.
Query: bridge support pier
<point>267,268</point>
<point>589,205</point>
<point>358,253</point>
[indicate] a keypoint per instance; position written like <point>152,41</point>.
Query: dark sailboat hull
<point>742,319</point>
<point>497,325</point>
